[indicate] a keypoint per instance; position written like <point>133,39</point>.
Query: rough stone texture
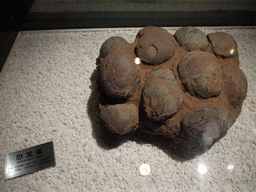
<point>191,97</point>
<point>119,75</point>
<point>236,85</point>
<point>159,102</point>
<point>163,74</point>
<point>207,123</point>
<point>113,44</point>
<point>161,96</point>
<point>120,118</point>
<point>201,74</point>
<point>155,45</point>
<point>191,38</point>
<point>223,44</point>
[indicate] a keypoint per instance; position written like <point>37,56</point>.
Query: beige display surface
<point>48,92</point>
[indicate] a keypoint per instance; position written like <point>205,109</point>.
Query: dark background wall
<point>46,14</point>
<point>13,14</point>
<point>66,14</point>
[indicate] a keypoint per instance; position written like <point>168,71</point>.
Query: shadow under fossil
<point>108,140</point>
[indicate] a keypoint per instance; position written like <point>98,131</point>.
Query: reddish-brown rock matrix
<point>190,90</point>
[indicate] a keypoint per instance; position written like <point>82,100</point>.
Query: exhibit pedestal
<point>49,92</point>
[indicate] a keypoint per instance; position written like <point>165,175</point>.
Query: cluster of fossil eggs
<point>187,86</point>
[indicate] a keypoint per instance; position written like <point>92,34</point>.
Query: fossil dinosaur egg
<point>201,74</point>
<point>119,75</point>
<point>155,45</point>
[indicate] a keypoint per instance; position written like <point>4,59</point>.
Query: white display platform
<point>48,92</point>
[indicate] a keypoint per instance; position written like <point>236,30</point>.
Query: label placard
<point>29,160</point>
